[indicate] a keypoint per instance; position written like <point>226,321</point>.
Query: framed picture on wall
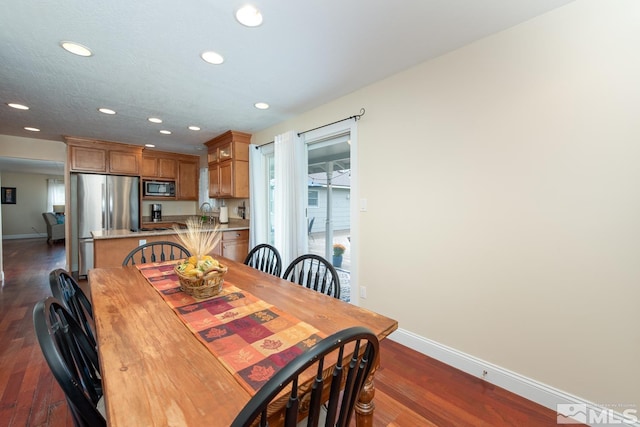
<point>8,195</point>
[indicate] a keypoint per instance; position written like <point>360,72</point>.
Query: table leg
<point>365,405</point>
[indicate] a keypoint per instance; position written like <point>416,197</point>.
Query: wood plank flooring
<point>411,389</point>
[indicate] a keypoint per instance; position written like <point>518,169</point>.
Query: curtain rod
<point>355,117</point>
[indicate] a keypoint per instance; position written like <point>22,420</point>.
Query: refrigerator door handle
<point>105,223</point>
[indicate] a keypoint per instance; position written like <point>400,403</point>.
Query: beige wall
<point>514,166</point>
<point>24,218</point>
<point>29,148</point>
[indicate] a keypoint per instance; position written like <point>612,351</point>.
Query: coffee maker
<point>156,212</point>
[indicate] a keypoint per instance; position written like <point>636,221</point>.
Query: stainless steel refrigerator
<point>102,202</point>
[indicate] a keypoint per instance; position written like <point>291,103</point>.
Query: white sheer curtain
<point>55,193</point>
<point>290,228</point>
<point>258,195</point>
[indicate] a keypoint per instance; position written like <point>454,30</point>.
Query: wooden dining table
<point>156,372</point>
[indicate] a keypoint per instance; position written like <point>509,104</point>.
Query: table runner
<point>252,338</point>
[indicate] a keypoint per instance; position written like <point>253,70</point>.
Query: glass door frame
<point>325,133</point>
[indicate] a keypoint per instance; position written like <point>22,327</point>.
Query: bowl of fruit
<point>201,277</point>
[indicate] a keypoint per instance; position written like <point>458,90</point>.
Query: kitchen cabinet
<point>154,166</point>
<point>228,162</point>
<point>187,186</point>
<point>111,251</point>
<point>235,244</point>
<point>166,166</point>
<point>90,155</point>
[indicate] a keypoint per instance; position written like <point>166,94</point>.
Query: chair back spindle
<point>265,257</point>
<point>156,252</point>
<point>354,353</point>
<point>314,272</point>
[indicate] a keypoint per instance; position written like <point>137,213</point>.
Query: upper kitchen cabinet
<point>159,165</point>
<point>188,178</point>
<point>90,155</point>
<point>181,168</point>
<point>228,161</point>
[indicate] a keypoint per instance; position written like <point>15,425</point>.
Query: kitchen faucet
<point>205,211</point>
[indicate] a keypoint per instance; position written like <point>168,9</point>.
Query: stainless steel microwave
<point>159,188</point>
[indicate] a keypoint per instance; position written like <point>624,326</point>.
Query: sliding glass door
<point>327,188</point>
<point>329,199</point>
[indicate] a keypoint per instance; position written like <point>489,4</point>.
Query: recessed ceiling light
<point>32,129</point>
<point>149,145</point>
<point>261,105</point>
<point>165,132</point>
<point>106,111</point>
<point>212,57</point>
<point>194,128</point>
<point>250,16</point>
<point>199,148</point>
<point>76,48</point>
<point>17,106</point>
<point>154,120</point>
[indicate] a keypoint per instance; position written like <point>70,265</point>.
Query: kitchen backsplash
<point>173,207</point>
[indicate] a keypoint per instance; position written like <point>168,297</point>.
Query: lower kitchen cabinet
<point>111,252</point>
<point>235,244</point>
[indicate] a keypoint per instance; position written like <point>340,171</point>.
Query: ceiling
<point>146,60</point>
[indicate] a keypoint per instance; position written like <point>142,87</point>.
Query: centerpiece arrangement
<point>200,275</point>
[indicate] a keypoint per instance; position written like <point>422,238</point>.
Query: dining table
<point>162,363</point>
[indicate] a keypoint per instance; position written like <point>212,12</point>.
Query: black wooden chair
<point>156,252</point>
<point>265,257</point>
<point>72,359</point>
<point>355,350</point>
<point>66,289</point>
<point>314,272</point>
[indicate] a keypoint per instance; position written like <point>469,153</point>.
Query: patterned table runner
<point>251,337</point>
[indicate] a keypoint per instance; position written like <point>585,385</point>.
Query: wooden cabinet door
<point>214,180</point>
<point>235,245</point>
<point>88,159</point>
<point>167,168</point>
<point>225,152</point>
<point>187,180</point>
<point>123,162</point>
<point>149,166</point>
<point>226,179</point>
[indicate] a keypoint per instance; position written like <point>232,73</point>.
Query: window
<point>313,199</point>
<point>55,193</point>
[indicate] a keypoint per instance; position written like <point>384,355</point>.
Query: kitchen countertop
<point>234,224</point>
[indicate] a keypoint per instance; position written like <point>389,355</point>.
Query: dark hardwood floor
<point>411,389</point>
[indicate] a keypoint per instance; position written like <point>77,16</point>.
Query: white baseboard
<point>535,391</point>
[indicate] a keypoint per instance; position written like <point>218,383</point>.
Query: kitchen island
<point>112,246</point>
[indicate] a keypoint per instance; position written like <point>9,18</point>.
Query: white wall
<point>519,155</point>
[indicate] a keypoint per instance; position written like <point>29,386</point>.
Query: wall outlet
<point>363,292</point>
<point>142,242</point>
